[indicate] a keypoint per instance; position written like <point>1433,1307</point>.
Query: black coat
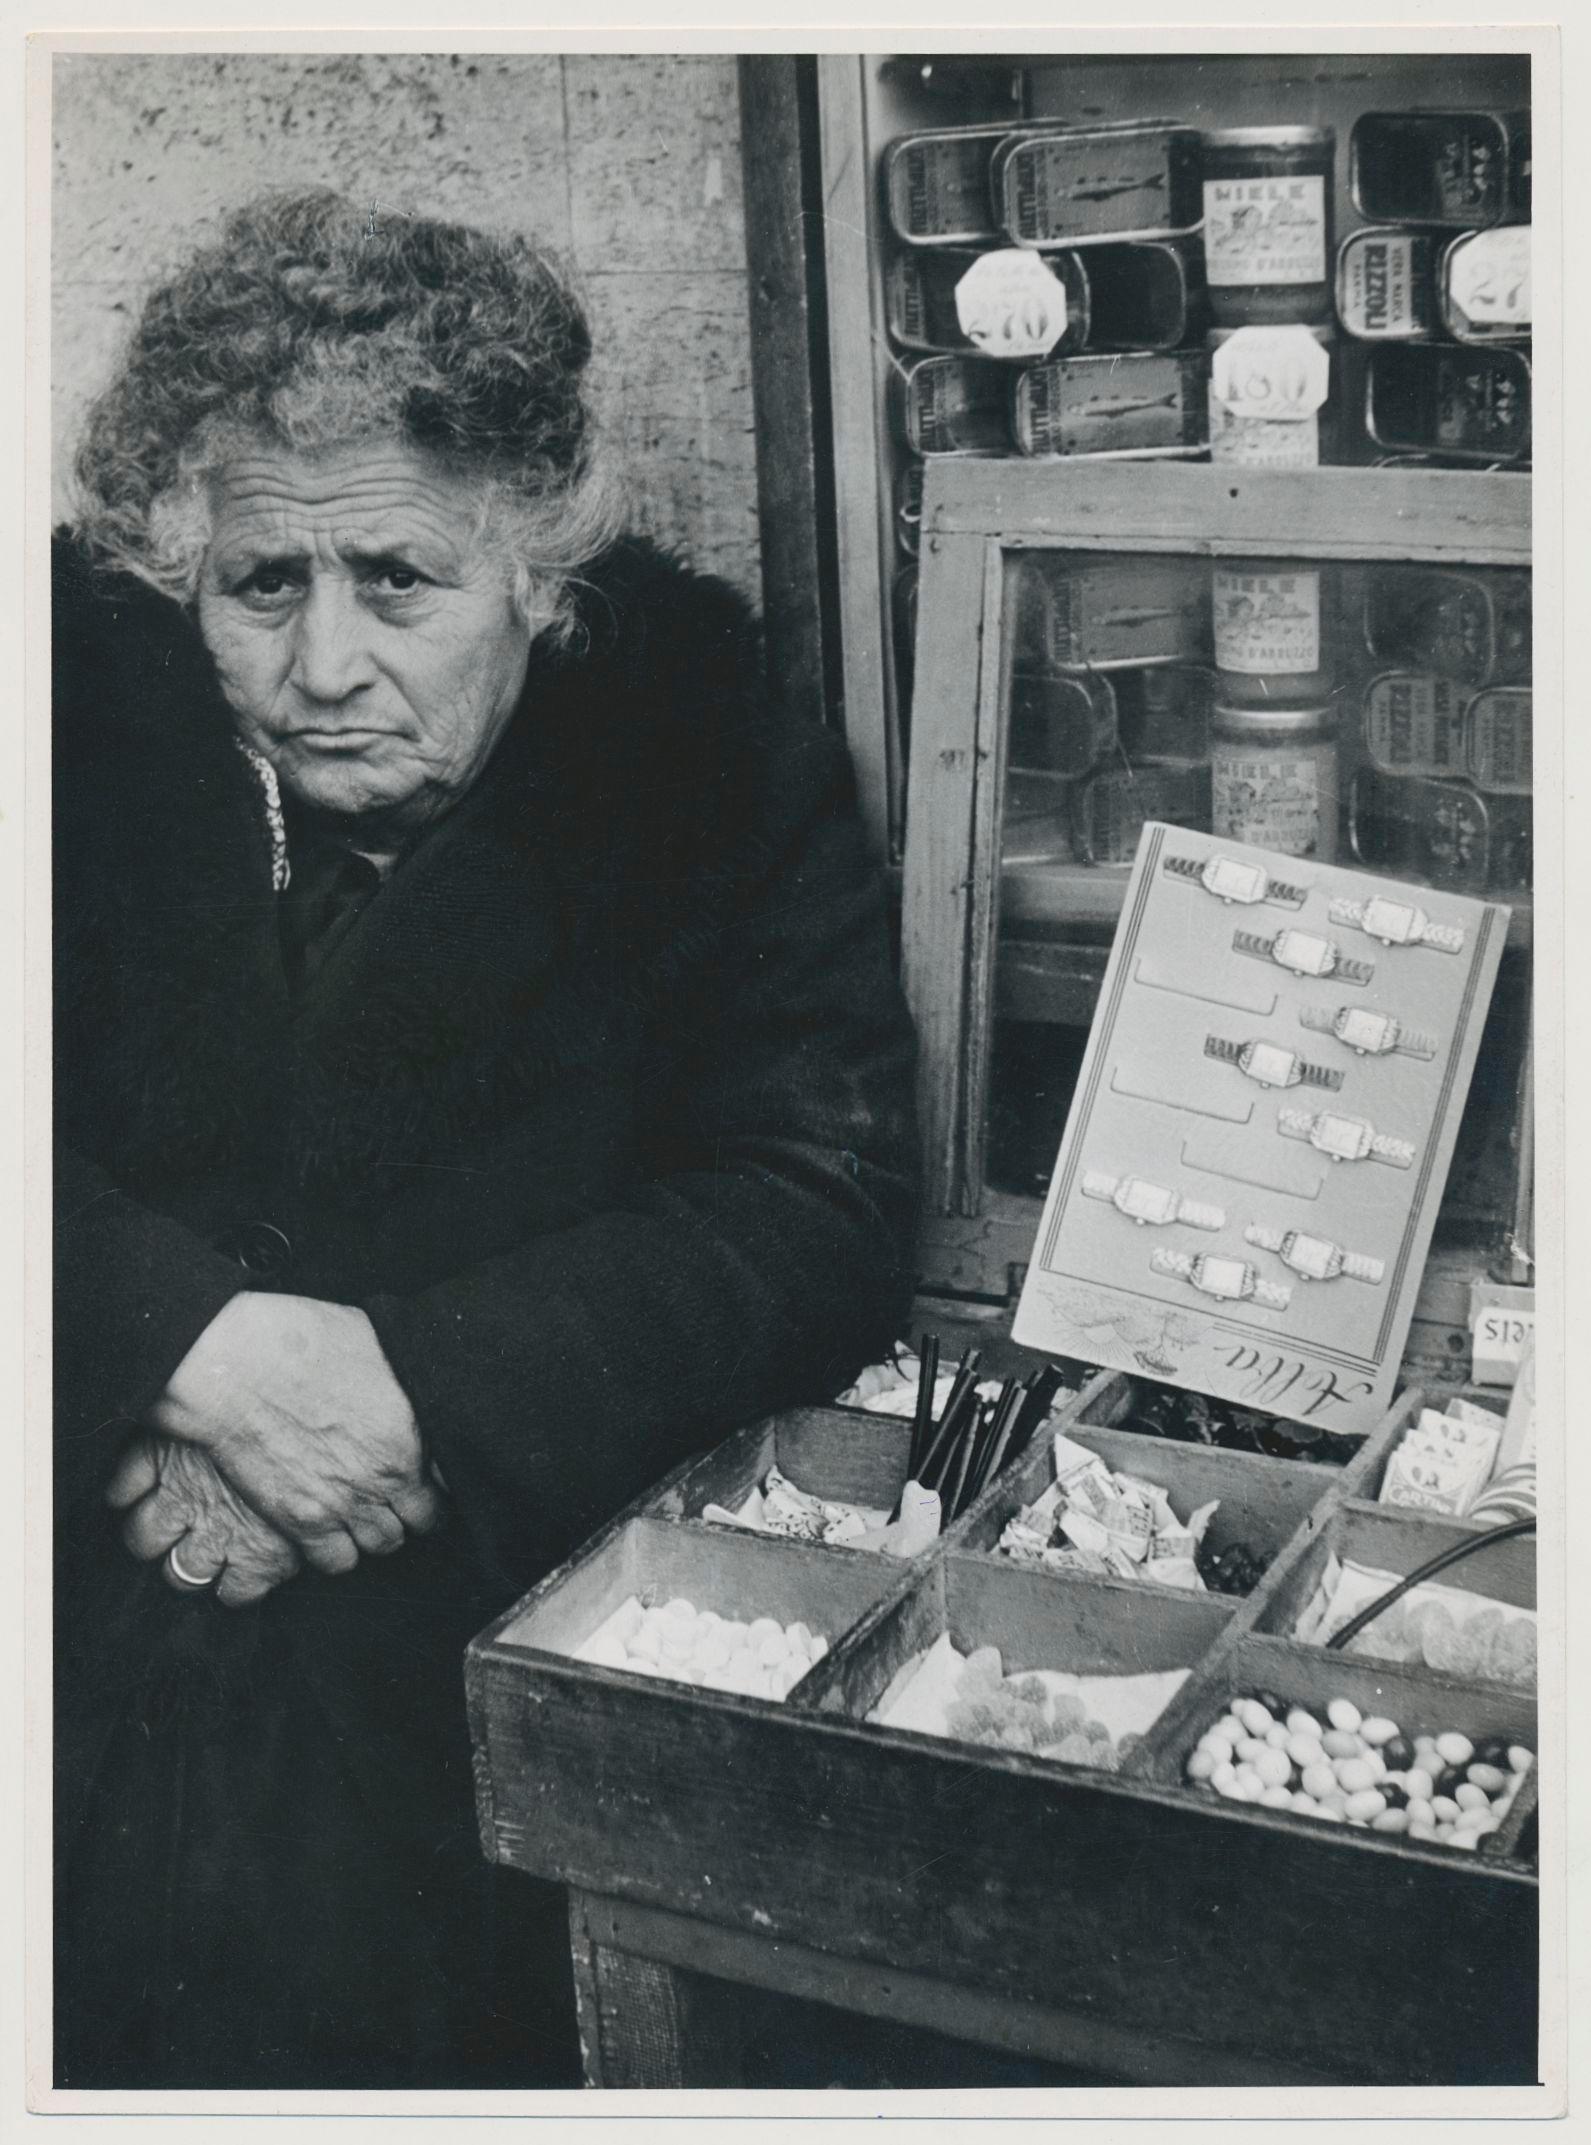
<point>601,1110</point>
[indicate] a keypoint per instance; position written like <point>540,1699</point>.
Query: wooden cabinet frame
<point>976,515</point>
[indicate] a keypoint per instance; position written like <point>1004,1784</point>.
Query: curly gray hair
<point>309,323</point>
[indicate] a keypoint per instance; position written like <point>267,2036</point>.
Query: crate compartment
<point>1387,1539</point>
<point>1260,1502</point>
<point>1366,1479</point>
<point>1036,1619</point>
<point>849,1455</point>
<point>1126,1402</point>
<point>1421,1702</point>
<point>740,1576</point>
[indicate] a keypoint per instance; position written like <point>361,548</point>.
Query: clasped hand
<point>283,1435</point>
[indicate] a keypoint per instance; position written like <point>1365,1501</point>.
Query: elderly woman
<point>480,1083</point>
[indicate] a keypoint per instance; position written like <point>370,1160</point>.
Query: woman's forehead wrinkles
<point>375,504</point>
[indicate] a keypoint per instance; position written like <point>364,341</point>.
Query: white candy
<point>1305,1751</point>
<point>1444,1809</point>
<point>1339,1743</point>
<point>1520,1758</point>
<point>679,1610</point>
<point>774,1650</point>
<point>764,1627</point>
<point>1248,1789</point>
<point>1390,1821</point>
<point>1368,1803</point>
<point>1319,1780</point>
<point>1250,1748</point>
<point>605,1653</point>
<point>1470,1797</point>
<point>1276,1737</point>
<point>820,1646</point>
<point>646,1645</point>
<point>1273,1768</point>
<point>1378,1729</point>
<point>1332,1817</point>
<point>1420,1783</point>
<point>1276,1798</point>
<point>712,1651</point>
<point>1489,1778</point>
<point>679,1641</point>
<point>1305,1804</point>
<point>1223,1776</point>
<point>1344,1714</point>
<point>1248,1778</point>
<point>1421,1828</point>
<point>1256,1718</point>
<point>1421,1812</point>
<point>1355,1775</point>
<point>1464,1839</point>
<point>1201,1765</point>
<point>798,1635</point>
<point>1455,1749</point>
<point>1301,1723</point>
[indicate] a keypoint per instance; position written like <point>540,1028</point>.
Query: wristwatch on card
<point>1372,1035</point>
<point>1397,923</point>
<point>1270,1064</point>
<point>1314,1257</point>
<point>1305,953</point>
<point>1232,879</point>
<point>1344,1139</point>
<point>1231,1280</point>
<point>1142,1201</point>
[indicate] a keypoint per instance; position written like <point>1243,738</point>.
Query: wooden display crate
<point>1122,1919</point>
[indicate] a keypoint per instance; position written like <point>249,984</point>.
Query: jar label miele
<point>1414,724</point>
<point>1270,230</point>
<point>1266,622</point>
<point>1276,798</point>
<point>1263,442</point>
<point>1011,305</point>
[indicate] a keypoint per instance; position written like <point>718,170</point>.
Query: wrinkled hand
<point>298,1408</point>
<point>172,1494</point>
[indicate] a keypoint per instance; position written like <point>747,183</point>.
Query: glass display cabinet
<point>1248,653</point>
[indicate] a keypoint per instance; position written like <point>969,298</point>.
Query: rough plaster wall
<point>630,164</point>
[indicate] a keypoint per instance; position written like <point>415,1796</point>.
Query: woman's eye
<point>267,585</point>
<point>398,580</point>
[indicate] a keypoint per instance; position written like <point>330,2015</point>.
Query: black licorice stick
<point>963,1392</point>
<point>951,1505</point>
<point>1007,1414</point>
<point>922,1421</point>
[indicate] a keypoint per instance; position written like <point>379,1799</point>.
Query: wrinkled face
<point>365,635</point>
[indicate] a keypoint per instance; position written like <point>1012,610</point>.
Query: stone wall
<point>631,165</point>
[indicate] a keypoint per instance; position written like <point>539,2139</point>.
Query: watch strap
<point>1400,1153</point>
<point>1098,1184</point>
<point>1325,1076</point>
<point>1358,1267</point>
<point>1354,971</point>
<point>1251,942</point>
<point>1414,1043</point>
<point>1272,1295</point>
<point>1216,1046</point>
<point>1166,1261</point>
<point>1266,1239</point>
<point>1446,938</point>
<point>1184,868</point>
<point>1295,1124</point>
<point>1322,1018</point>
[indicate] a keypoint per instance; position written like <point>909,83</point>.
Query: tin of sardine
<point>1386,284</point>
<point>1466,405</point>
<point>937,185</point>
<point>920,300</point>
<point>1469,625</point>
<point>1123,612</point>
<point>1431,167</point>
<point>1499,742</point>
<point>1163,713</point>
<point>953,405</point>
<point>1140,403</point>
<point>1436,831</point>
<point>1113,805</point>
<point>1060,725</point>
<point>1085,188</point>
<point>1414,724</point>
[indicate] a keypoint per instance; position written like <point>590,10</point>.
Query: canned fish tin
<point>921,308</point>
<point>1485,286</point>
<point>1268,440</point>
<point>909,506</point>
<point>1387,284</point>
<point>1272,627</point>
<point>1466,405</point>
<point>1120,613</point>
<point>1432,167</point>
<point>1146,295</point>
<point>1439,833</point>
<point>1036,817</point>
<point>1267,201</point>
<point>1138,403</point>
<point>937,185</point>
<point>1465,624</point>
<point>1498,745</point>
<point>1273,778</point>
<point>1060,725</point>
<point>953,405</point>
<point>1087,186</point>
<point>1113,806</point>
<point>1163,714</point>
<point>1414,724</point>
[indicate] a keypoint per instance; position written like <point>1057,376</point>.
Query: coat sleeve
<point>761,1253</point>
<point>133,1292</point>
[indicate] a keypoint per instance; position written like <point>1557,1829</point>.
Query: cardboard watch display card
<point>1262,1128</point>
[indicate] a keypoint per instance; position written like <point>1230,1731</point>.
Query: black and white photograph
<point>789,946</point>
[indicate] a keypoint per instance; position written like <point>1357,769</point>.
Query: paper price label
<point>1501,1335</point>
<point>1489,277</point>
<point>1281,374</point>
<point>1011,305</point>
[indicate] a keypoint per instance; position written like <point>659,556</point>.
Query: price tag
<point>1489,277</point>
<point>1011,305</point>
<point>1500,1333</point>
<point>1273,373</point>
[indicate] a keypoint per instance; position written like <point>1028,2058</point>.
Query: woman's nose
<point>330,658</point>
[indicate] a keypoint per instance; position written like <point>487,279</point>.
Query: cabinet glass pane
<point>1373,714</point>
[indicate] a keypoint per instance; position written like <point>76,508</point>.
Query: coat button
<point>259,1247</point>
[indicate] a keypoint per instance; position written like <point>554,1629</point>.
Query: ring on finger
<point>187,1580</point>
